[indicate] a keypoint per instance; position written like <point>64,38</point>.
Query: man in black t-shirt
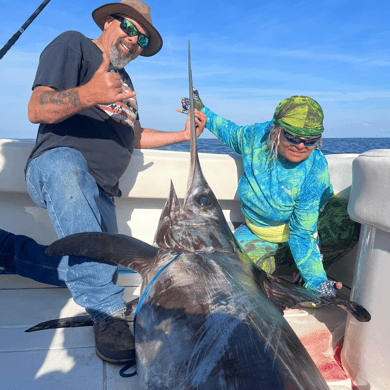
<point>85,104</point>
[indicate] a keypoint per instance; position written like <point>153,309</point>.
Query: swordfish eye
<point>205,201</point>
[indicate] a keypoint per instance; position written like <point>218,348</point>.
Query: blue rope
<point>123,370</point>
<point>148,288</point>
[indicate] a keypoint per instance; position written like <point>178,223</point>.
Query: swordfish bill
<point>194,159</point>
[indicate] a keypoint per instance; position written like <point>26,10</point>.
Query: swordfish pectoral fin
<point>284,294</point>
<point>69,322</point>
<point>117,248</point>
<point>79,321</point>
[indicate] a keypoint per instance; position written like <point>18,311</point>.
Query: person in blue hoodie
<point>284,188</point>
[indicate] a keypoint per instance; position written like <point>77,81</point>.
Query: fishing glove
<point>197,102</point>
<point>327,289</point>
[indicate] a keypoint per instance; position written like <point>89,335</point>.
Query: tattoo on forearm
<point>58,98</point>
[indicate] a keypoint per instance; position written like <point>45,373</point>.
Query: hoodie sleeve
<point>228,132</point>
<point>315,192</point>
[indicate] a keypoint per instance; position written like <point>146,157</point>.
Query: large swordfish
<point>207,318</point>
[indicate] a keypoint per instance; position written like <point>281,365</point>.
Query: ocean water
<point>329,145</point>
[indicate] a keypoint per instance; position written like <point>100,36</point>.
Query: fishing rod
<point>16,36</point>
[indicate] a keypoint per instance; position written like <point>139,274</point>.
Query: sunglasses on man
<point>132,31</point>
<point>293,140</point>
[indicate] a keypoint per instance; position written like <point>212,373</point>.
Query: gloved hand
<point>197,102</point>
<point>327,289</point>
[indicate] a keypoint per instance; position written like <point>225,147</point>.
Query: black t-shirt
<point>103,134</point>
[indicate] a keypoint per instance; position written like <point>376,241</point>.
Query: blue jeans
<point>59,181</point>
<point>23,256</point>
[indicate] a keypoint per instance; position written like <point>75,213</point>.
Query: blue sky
<point>247,56</point>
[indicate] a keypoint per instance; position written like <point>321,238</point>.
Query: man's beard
<point>118,58</point>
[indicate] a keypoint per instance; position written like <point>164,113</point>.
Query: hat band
<point>299,131</point>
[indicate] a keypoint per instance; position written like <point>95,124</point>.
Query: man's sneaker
<point>114,341</point>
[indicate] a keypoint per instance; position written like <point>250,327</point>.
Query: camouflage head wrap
<point>301,116</point>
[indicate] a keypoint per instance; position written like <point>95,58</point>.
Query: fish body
<point>202,321</point>
<point>207,318</point>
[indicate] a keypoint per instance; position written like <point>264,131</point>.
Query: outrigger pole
<point>16,36</point>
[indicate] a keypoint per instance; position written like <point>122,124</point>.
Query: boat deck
<point>65,358</point>
<point>52,359</point>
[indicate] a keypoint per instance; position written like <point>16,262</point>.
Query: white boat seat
<point>369,200</point>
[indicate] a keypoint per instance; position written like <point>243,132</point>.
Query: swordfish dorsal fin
<point>117,248</point>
